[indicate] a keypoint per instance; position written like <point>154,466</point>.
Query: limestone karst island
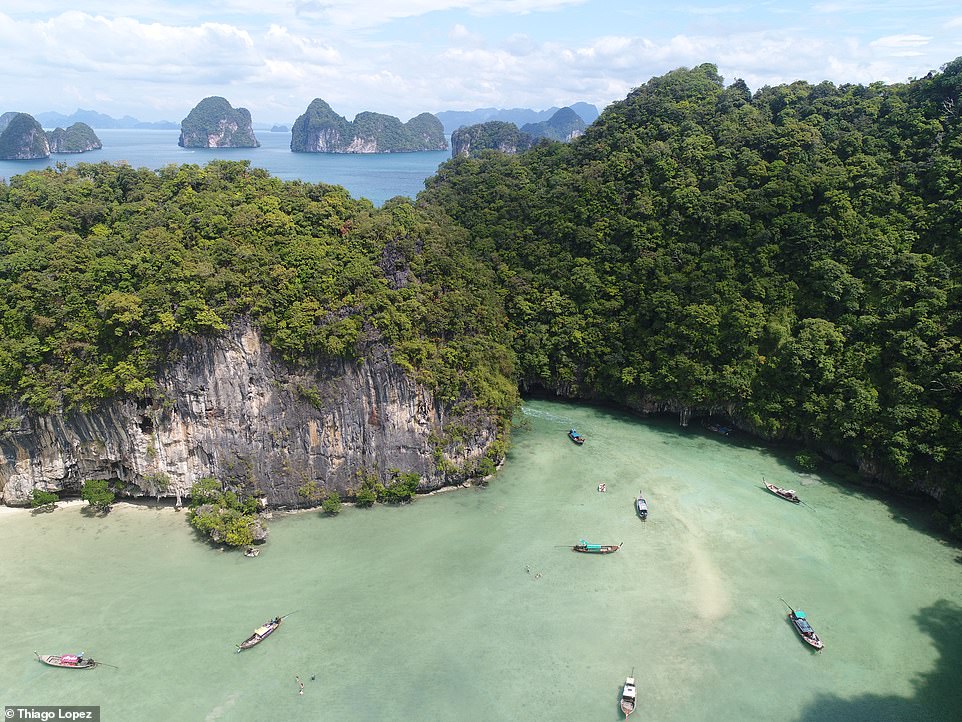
<point>23,138</point>
<point>214,123</point>
<point>655,414</point>
<point>321,130</point>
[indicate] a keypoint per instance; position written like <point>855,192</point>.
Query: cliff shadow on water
<point>943,623</point>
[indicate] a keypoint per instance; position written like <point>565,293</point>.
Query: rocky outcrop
<point>214,123</point>
<point>22,138</point>
<point>78,138</point>
<point>231,409</point>
<point>321,130</point>
<point>493,135</point>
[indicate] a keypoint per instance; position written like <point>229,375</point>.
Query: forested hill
<point>103,268</point>
<point>790,257</point>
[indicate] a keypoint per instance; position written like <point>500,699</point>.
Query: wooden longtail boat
<point>628,697</point>
<point>67,661</point>
<point>260,634</point>
<point>787,494</point>
<point>804,629</point>
<point>583,546</point>
<point>576,437</point>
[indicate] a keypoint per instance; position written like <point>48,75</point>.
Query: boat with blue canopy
<point>576,437</point>
<point>586,548</point>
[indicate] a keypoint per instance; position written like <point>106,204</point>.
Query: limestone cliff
<point>214,123</point>
<point>22,138</point>
<point>321,130</point>
<point>231,409</point>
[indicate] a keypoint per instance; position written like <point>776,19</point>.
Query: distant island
<point>78,138</point>
<point>50,119</point>
<point>280,129</point>
<point>454,119</point>
<point>214,123</point>
<point>321,130</point>
<point>23,138</point>
<point>564,125</point>
<point>493,135</point>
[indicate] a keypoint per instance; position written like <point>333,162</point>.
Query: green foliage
<point>44,500</point>
<point>402,487</point>
<point>807,461</point>
<point>221,515</point>
<point>790,254</point>
<point>105,267</point>
<point>97,493</point>
<point>311,491</point>
<point>331,504</point>
<point>369,491</point>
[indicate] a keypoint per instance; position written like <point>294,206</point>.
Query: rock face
<point>493,135</point>
<point>565,125</point>
<point>78,138</point>
<point>321,130</point>
<point>22,138</point>
<point>213,123</point>
<point>231,409</point>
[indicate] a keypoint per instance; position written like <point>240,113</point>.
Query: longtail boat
<point>628,696</point>
<point>68,661</point>
<point>583,546</point>
<point>804,629</point>
<point>641,507</point>
<point>260,634</point>
<point>787,494</point>
<point>576,437</point>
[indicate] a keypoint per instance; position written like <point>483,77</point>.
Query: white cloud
<point>901,41</point>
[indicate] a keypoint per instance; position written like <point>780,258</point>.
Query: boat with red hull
<point>586,548</point>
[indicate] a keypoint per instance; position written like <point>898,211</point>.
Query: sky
<point>156,59</point>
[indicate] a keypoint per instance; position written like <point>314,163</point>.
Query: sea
<point>471,605</point>
<point>375,176</point>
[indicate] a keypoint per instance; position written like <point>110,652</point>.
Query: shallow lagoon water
<point>470,605</point>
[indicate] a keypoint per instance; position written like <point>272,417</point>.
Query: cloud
<point>901,41</point>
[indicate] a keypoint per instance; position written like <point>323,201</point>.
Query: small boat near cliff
<point>628,696</point>
<point>576,437</point>
<point>641,507</point>
<point>586,548</point>
<point>787,494</point>
<point>260,634</point>
<point>67,661</point>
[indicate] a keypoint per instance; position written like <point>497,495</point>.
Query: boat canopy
<point>68,659</point>
<point>261,631</point>
<point>800,614</point>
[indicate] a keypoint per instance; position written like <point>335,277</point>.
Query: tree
<point>332,504</point>
<point>97,493</point>
<point>43,500</point>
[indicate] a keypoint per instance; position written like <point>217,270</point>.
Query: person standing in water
<point>300,684</point>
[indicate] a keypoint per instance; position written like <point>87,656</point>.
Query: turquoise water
<point>469,605</point>
<point>376,176</point>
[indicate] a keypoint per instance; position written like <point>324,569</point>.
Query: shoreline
<point>149,503</point>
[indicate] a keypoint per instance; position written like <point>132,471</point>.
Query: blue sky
<point>155,59</point>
